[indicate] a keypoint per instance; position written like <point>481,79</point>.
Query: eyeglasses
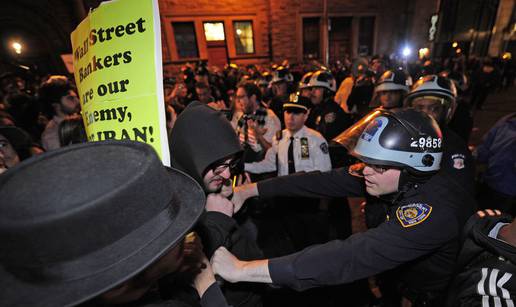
<point>221,168</point>
<point>357,169</point>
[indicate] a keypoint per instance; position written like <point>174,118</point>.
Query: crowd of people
<point>351,185</point>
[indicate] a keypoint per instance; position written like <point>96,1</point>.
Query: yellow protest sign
<point>118,72</point>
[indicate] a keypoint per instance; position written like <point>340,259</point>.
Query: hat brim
<point>189,204</point>
<point>296,107</point>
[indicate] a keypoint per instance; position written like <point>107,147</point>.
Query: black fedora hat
<point>80,220</point>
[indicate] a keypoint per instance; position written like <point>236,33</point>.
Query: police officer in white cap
<point>296,148</point>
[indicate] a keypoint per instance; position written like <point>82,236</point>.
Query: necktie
<point>291,164</point>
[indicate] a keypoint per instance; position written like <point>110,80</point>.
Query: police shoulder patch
<point>413,214</point>
<point>324,148</point>
<point>458,161</point>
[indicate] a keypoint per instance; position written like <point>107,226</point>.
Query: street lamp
<point>17,47</point>
<point>406,51</point>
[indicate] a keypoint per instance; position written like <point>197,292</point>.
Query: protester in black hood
<point>202,137</point>
<point>204,145</point>
<point>486,263</point>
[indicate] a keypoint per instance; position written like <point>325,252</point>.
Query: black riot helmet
<point>437,88</point>
<point>404,138</point>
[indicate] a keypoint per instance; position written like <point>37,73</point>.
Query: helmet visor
<point>350,136</point>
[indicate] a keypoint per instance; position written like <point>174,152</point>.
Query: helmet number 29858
<point>428,142</point>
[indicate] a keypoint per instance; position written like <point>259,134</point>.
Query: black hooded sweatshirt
<point>486,267</point>
<point>200,137</point>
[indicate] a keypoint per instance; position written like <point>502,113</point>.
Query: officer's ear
<point>305,115</point>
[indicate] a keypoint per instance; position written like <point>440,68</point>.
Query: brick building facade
<point>293,29</point>
<point>265,31</point>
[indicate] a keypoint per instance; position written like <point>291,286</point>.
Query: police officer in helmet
<point>326,116</point>
<point>304,85</point>
<point>281,78</point>
<point>390,89</point>
<point>401,151</point>
<point>436,96</point>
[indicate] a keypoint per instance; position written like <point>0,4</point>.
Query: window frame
<point>223,29</point>
<point>235,37</point>
<point>304,55</point>
<point>179,57</point>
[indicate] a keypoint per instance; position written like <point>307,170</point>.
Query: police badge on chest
<point>305,151</point>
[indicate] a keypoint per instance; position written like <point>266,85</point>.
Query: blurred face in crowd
<point>181,90</point>
<point>263,89</point>
<point>377,66</point>
<point>217,175</point>
<point>279,88</point>
<point>202,78</point>
<point>432,106</point>
<point>306,92</point>
<point>8,156</point>
<point>70,103</point>
<point>294,119</point>
<point>317,95</point>
<point>389,99</point>
<point>248,104</point>
<point>380,180</point>
<point>203,94</point>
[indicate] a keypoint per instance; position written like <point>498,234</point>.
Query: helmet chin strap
<point>408,180</point>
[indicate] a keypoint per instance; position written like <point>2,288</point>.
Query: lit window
<point>186,42</point>
<point>214,31</point>
<point>244,43</point>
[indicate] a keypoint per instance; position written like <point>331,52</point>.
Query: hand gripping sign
<point>118,71</point>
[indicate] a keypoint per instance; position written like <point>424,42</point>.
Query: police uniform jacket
<point>419,237</point>
<point>457,160</point>
<point>310,153</point>
<point>328,119</point>
<point>487,266</point>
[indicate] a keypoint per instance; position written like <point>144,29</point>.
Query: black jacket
<point>202,136</point>
<point>420,238</point>
<point>328,119</point>
<point>486,267</point>
<point>457,160</point>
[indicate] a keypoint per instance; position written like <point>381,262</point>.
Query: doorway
<point>216,43</point>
